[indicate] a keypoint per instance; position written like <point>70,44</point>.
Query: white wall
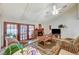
<point>69,19</point>
<point>0,37</point>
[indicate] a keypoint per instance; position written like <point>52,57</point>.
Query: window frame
<point>18,30</point>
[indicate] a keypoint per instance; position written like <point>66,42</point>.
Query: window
<point>23,32</point>
<point>18,31</point>
<point>31,31</point>
<point>11,31</point>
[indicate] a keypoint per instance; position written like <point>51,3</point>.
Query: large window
<point>11,31</point>
<point>23,32</point>
<point>31,31</point>
<point>18,31</point>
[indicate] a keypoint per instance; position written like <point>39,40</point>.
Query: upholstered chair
<point>10,41</point>
<point>56,49</point>
<point>76,45</point>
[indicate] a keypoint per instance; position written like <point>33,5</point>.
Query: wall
<point>0,36</point>
<point>68,18</point>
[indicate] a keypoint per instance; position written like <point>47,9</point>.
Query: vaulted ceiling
<point>31,11</point>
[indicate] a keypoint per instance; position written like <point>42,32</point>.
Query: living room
<point>44,17</point>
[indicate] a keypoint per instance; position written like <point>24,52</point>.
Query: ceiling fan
<point>54,10</point>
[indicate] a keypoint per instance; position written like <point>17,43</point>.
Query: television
<point>56,31</point>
